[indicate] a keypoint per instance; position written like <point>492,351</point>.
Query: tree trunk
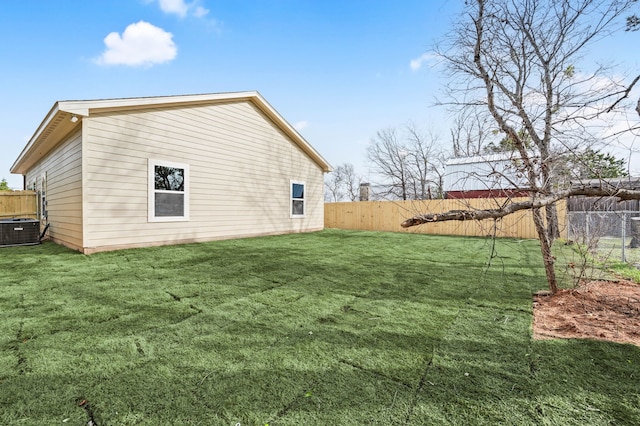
<point>553,229</point>
<point>545,247</point>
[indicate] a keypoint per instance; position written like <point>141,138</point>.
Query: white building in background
<point>486,176</point>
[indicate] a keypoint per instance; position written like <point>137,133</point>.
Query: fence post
<point>586,227</point>
<point>624,235</point>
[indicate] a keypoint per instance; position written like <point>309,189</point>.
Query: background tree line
<point>407,163</point>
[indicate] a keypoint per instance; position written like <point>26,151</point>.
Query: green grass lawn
<point>329,328</point>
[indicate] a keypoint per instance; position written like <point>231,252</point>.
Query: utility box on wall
<point>17,232</point>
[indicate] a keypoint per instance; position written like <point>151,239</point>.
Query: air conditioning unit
<point>18,232</point>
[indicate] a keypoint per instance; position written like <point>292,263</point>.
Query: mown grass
<point>334,327</point>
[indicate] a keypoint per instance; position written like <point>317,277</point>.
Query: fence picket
<point>18,204</point>
<point>388,215</point>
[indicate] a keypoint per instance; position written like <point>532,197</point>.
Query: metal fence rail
<point>614,235</point>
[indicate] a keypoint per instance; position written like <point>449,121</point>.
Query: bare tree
<point>342,184</point>
<point>351,182</point>
<point>426,163</point>
<point>333,185</point>
<point>389,158</point>
<point>470,132</point>
<point>410,163</point>
<point>519,59</point>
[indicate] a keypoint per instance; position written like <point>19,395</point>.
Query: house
<point>134,172</point>
<point>487,176</point>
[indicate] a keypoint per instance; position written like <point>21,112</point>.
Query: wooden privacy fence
<point>388,215</point>
<point>18,204</point>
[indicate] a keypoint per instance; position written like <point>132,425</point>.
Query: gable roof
<point>59,121</point>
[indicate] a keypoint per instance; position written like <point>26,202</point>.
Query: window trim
<point>151,198</point>
<point>303,199</point>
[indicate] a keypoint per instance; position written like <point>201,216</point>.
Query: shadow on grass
<point>327,328</point>
<point>304,380</point>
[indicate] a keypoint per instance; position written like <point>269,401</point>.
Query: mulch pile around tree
<point>601,310</point>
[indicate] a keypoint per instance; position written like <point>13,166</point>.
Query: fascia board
<point>86,108</point>
<point>271,112</point>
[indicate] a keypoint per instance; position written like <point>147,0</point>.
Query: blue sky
<point>337,70</point>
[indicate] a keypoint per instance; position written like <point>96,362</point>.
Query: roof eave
<point>291,131</point>
<point>31,144</point>
<point>86,108</point>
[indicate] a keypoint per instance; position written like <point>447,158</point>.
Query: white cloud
<point>140,44</point>
<point>182,8</point>
<point>200,12</point>
<point>301,125</point>
<point>179,7</point>
<point>418,62</point>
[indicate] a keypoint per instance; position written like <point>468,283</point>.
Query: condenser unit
<point>18,232</point>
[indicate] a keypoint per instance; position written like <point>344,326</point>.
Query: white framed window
<point>297,205</point>
<point>168,191</point>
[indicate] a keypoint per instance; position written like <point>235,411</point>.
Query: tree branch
<point>626,94</point>
<point>603,189</point>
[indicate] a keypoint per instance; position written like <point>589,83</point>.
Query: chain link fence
<point>611,235</point>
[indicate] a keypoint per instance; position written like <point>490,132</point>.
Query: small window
<point>168,191</point>
<point>297,199</point>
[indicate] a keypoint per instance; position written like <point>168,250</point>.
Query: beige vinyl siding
<point>63,169</point>
<point>240,164</point>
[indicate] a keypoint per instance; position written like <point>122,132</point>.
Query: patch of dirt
<point>601,310</point>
